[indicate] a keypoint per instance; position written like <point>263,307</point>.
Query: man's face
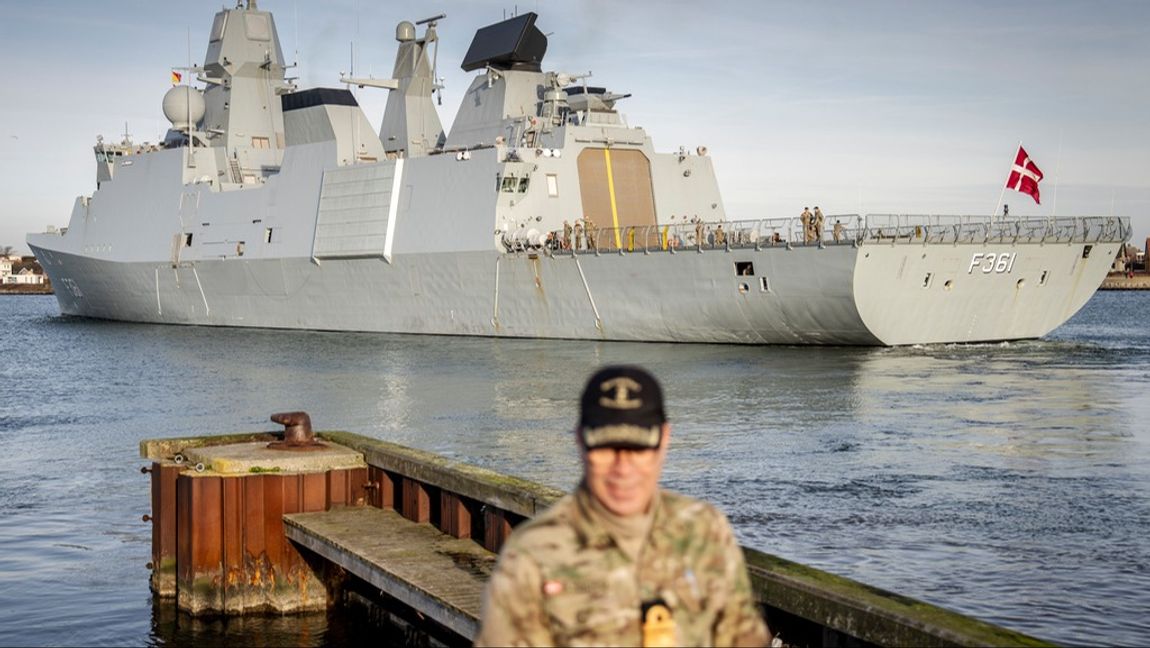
<point>625,480</point>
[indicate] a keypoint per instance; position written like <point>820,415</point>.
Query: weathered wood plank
<point>440,576</point>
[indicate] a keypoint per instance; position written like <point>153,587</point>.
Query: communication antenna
<point>436,82</point>
<point>295,64</point>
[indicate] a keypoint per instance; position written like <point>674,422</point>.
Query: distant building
<point>21,270</point>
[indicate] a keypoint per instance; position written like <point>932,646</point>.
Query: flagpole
<point>1003,192</point>
<point>188,96</point>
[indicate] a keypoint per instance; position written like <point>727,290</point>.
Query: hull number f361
<point>991,262</point>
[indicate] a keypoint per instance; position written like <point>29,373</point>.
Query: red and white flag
<point>1024,175</point>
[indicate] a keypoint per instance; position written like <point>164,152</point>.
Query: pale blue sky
<point>880,107</point>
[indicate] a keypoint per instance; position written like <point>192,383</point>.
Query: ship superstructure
<point>540,213</point>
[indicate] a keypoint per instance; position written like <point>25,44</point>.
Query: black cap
<point>622,406</point>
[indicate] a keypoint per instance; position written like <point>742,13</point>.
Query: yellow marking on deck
<point>611,191</point>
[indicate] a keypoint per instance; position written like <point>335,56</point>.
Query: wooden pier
<point>421,533</point>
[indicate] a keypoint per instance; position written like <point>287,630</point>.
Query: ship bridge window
<point>745,268</point>
<point>510,183</point>
<point>552,185</point>
<point>523,182</point>
<point>260,142</point>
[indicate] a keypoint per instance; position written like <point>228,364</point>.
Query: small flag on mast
<point>1024,175</point>
<point>176,77</point>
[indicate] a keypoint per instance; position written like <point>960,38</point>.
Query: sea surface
<point>1010,481</point>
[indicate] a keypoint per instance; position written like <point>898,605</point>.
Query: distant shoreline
<point>26,289</point>
<point>1119,281</point>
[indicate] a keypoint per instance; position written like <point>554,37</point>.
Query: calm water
<point>1007,481</point>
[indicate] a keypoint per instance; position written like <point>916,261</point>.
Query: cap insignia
<point>622,399</point>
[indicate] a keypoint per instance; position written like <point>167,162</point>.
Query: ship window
<point>260,142</point>
<point>498,182</point>
<point>552,185</point>
<point>510,182</point>
<point>764,284</point>
<point>188,239</point>
<point>240,248</point>
<point>1086,251</point>
<point>1042,280</point>
<point>523,182</point>
<point>744,268</point>
<point>267,235</point>
<point>926,281</point>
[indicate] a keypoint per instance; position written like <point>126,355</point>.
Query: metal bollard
<point>298,434</point>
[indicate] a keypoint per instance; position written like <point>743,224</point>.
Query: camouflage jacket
<point>562,580</point>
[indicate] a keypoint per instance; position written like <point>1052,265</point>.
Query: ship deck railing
<point>855,230</point>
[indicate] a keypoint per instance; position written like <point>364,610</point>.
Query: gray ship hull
<point>541,214</point>
<point>839,294</point>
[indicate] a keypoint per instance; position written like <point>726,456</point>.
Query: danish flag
<point>1024,175</point>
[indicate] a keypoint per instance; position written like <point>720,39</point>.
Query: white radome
<point>183,106</point>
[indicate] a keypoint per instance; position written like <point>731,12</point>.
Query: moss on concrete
<point>165,449</point>
<point>509,493</point>
<point>868,613</point>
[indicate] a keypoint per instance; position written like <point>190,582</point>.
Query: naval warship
<point>541,213</point>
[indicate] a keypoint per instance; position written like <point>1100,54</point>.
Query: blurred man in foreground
<point>620,561</point>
